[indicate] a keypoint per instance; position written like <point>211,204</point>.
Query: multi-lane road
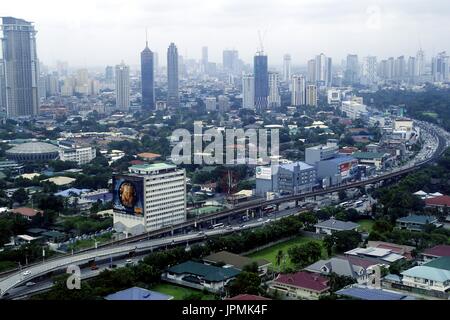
<point>147,242</point>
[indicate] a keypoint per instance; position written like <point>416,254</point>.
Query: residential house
<point>379,255</point>
<point>228,259</point>
<point>432,276</point>
<point>436,252</point>
<point>332,225</point>
<point>138,294</point>
<point>357,268</point>
<point>404,250</point>
<point>300,285</point>
<point>27,213</point>
<point>415,222</point>
<point>200,276</point>
<point>365,293</point>
<point>247,297</point>
<point>441,203</point>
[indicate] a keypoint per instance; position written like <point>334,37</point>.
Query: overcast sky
<point>100,32</point>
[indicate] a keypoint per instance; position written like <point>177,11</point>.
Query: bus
<point>217,226</point>
<point>270,208</point>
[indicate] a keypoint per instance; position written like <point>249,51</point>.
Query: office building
<point>223,103</point>
<point>298,94</point>
<point>70,151</point>
<point>352,69</point>
<point>399,68</point>
<point>147,79</point>
<point>248,92</point>
<point>287,68</point>
<point>230,60</point>
<point>122,87</point>
<point>321,70</point>
<point>109,74</point>
<point>19,68</point>
<point>296,177</point>
<point>440,67</point>
<point>320,153</point>
<point>369,70</point>
<point>311,95</point>
<point>149,197</point>
<point>173,99</point>
<point>312,78</point>
<point>412,69</point>
<point>274,100</point>
<point>354,110</point>
<point>336,170</point>
<point>420,61</point>
<point>261,81</point>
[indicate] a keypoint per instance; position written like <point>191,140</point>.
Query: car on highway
<point>26,273</point>
<point>30,284</point>
<point>128,261</point>
<point>201,233</point>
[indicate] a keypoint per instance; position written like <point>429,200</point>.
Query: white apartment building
<point>80,155</point>
<point>164,198</point>
<point>311,95</point>
<point>210,103</point>
<point>298,96</point>
<point>248,92</point>
<point>354,110</point>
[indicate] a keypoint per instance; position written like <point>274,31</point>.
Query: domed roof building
<point>33,151</point>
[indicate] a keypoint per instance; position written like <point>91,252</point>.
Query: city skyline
<point>90,37</point>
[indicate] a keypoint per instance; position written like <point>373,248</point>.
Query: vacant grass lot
<point>178,293</point>
<point>271,252</point>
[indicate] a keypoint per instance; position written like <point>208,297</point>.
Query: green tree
<point>246,283</point>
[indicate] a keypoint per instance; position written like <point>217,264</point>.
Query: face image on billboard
<point>345,169</point>
<point>128,195</point>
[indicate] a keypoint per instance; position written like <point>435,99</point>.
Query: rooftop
<point>438,251</point>
<point>438,201</point>
<point>152,167</point>
<point>247,297</point>
<point>300,164</point>
<point>338,225</point>
<point>413,218</point>
<point>33,148</point>
<point>138,294</point>
<point>365,293</point>
<point>305,280</point>
<point>234,260</point>
<point>442,263</point>
<point>427,272</point>
<point>209,273</point>
<point>368,155</point>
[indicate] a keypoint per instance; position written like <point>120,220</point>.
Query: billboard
<point>346,168</point>
<point>263,173</point>
<point>128,195</point>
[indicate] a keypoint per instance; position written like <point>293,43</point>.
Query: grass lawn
<point>271,252</point>
<point>366,225</point>
<point>178,292</point>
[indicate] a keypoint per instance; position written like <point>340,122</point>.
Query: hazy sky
<point>100,32</point>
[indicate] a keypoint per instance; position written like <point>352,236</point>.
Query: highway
<point>147,242</point>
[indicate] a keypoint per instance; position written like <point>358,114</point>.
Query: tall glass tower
<point>147,79</point>
<point>173,99</point>
<point>19,68</point>
<point>261,81</point>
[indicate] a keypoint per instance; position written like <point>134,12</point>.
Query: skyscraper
<point>173,99</point>
<point>248,92</point>
<point>412,69</point>
<point>230,60</point>
<point>399,68</point>
<point>205,57</point>
<point>147,79</point>
<point>19,68</point>
<point>369,70</point>
<point>298,96</point>
<point>329,72</point>
<point>311,95</point>
<point>261,81</point>
<point>420,61</point>
<point>439,67</point>
<point>109,74</point>
<point>312,77</point>
<point>274,100</point>
<point>321,69</point>
<point>352,69</point>
<point>287,67</point>
<point>122,87</point>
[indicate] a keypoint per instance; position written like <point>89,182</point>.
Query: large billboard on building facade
<point>263,173</point>
<point>128,195</point>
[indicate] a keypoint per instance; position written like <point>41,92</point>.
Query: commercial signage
<point>264,173</point>
<point>128,195</point>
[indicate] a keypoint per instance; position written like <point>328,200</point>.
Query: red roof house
<point>438,202</point>
<point>245,297</point>
<point>303,285</point>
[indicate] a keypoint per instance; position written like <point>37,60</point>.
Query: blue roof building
<point>138,294</point>
<point>415,222</point>
<point>366,293</point>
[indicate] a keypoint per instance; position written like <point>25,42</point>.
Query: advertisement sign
<point>264,173</point>
<point>345,169</point>
<point>128,195</point>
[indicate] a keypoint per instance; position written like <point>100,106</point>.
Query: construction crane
<point>261,41</point>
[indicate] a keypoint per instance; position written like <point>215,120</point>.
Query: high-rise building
<point>205,56</point>
<point>311,95</point>
<point>312,77</point>
<point>122,87</point>
<point>420,61</point>
<point>173,98</point>
<point>109,74</point>
<point>440,67</point>
<point>223,103</point>
<point>369,70</point>
<point>274,99</point>
<point>321,70</point>
<point>412,69</point>
<point>147,79</point>
<point>149,197</point>
<point>52,84</point>
<point>399,68</point>
<point>298,95</point>
<point>352,69</point>
<point>63,68</point>
<point>329,72</point>
<point>82,81</point>
<point>261,80</point>
<point>230,60</point>
<point>287,68</point>
<point>19,68</point>
<point>248,91</point>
